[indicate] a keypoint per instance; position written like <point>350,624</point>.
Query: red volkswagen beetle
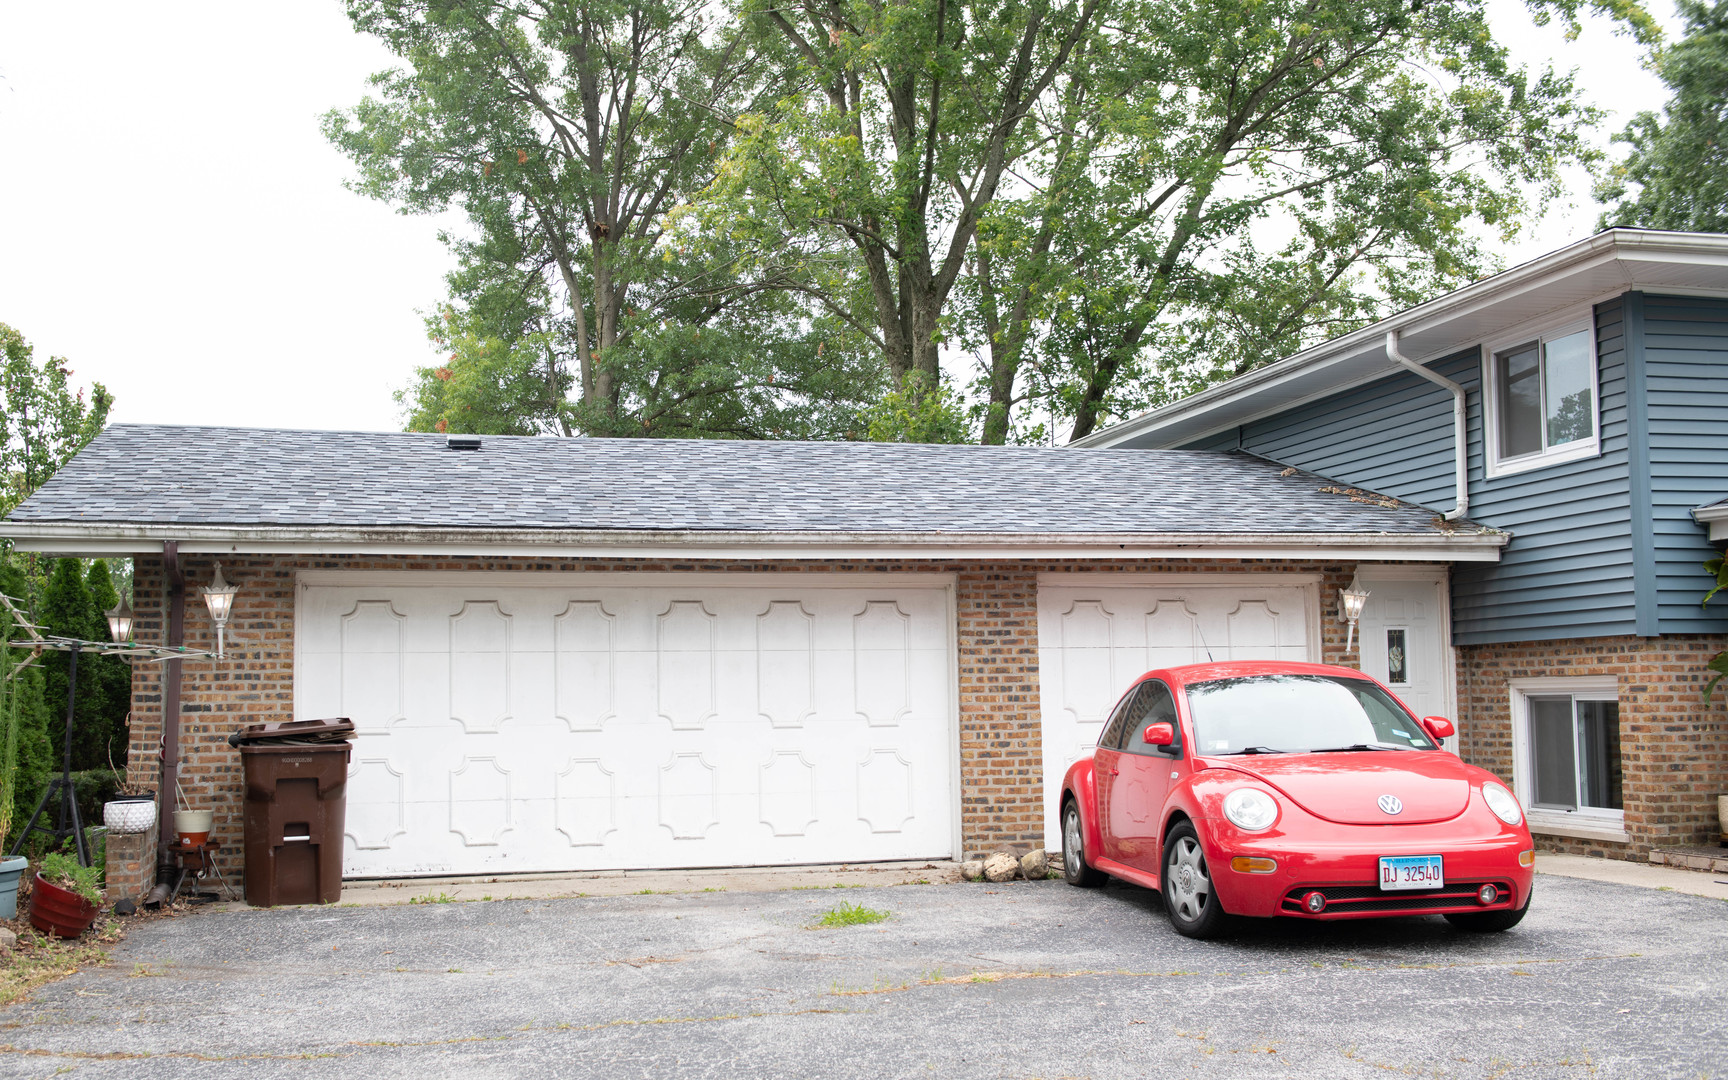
<point>1267,788</point>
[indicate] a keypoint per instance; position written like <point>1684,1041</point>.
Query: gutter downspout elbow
<point>1460,434</point>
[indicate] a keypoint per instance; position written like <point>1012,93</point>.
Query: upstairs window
<point>1542,406</point>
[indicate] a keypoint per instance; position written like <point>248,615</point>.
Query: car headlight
<point>1502,802</point>
<point>1250,809</point>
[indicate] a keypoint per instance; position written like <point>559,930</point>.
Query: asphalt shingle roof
<point>158,474</point>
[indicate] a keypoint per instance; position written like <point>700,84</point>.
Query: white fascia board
<point>1714,518</point>
<point>1621,252</point>
<point>120,540</point>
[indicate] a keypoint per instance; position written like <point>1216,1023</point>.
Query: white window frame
<point>1586,822</point>
<point>1571,322</point>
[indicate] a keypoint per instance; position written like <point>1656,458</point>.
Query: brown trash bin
<point>296,799</point>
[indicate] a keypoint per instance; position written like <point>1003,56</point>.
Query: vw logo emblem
<point>1391,804</point>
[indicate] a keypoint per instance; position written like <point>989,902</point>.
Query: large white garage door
<point>515,724</point>
<point>1097,633</point>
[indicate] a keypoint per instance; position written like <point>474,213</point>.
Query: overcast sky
<point>174,225</point>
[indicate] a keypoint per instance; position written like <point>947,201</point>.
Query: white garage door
<point>1097,633</point>
<point>512,724</point>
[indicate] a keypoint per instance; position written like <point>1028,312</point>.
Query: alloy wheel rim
<point>1071,842</point>
<point>1189,886</point>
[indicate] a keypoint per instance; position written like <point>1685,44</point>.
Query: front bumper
<point>1345,868</point>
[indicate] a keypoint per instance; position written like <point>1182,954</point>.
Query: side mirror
<point>1438,726</point>
<point>1159,735</point>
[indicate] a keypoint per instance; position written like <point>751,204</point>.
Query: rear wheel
<point>1074,868</point>
<point>1490,922</point>
<point>1188,896</point>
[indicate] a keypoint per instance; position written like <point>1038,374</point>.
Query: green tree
<point>570,133</point>
<point>1676,176</point>
<point>1113,204</point>
<point>43,421</point>
<point>866,188</point>
<point>99,714</point>
<point>36,758</point>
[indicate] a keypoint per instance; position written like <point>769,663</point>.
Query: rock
<point>972,869</point>
<point>126,907</point>
<point>1035,865</point>
<point>7,940</point>
<point>1000,866</point>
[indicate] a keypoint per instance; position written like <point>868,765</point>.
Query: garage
<point>526,722</point>
<point>1097,632</point>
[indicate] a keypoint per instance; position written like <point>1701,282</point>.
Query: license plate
<point>1411,872</point>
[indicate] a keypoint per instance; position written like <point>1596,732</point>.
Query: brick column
<point>1001,737</point>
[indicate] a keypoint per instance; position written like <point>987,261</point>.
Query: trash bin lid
<point>331,729</point>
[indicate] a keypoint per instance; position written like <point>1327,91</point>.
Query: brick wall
<point>130,868</point>
<point>1001,747</point>
<point>1673,748</point>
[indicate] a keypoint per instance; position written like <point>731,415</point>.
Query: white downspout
<point>1460,447</point>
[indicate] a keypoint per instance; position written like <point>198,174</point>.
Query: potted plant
<point>131,810</point>
<point>66,896</point>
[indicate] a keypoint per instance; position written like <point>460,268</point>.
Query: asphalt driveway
<point>1021,980</point>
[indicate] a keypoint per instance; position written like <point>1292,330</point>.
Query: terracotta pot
<point>193,826</point>
<point>58,911</point>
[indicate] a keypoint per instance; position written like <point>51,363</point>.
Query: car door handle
<point>1114,771</point>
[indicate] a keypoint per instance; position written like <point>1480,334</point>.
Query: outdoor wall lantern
<point>1350,604</point>
<point>219,597</point>
<point>120,622</point>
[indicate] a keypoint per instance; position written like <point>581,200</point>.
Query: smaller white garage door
<point>571,722</point>
<point>1097,633</point>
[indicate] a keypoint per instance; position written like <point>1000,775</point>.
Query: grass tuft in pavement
<point>851,915</point>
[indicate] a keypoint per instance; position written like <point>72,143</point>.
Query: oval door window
<point>1397,657</point>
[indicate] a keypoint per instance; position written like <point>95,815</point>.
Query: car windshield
<point>1259,714</point>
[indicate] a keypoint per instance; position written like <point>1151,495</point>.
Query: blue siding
<point>1568,569</point>
<point>1686,385</point>
<point>1224,440</point>
<point>1393,435</point>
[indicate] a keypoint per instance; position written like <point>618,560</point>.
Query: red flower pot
<point>58,911</point>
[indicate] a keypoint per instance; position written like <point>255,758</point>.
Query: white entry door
<point>1403,638</point>
<point>1098,632</point>
<point>614,721</point>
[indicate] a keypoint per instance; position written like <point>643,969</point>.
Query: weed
<point>433,898</point>
<point>851,915</point>
<point>722,889</point>
<point>38,959</point>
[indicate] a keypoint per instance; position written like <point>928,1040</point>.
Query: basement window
<point>1566,738</point>
<point>1542,403</point>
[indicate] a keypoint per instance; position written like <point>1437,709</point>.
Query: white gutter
<point>1463,545</point>
<point>1460,445</point>
<point>1714,518</point>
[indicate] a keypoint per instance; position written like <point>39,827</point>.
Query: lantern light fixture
<point>1350,604</point>
<point>120,622</point>
<point>219,598</point>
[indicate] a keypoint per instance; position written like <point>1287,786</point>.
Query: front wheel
<point>1489,922</point>
<point>1188,896</point>
<point>1074,868</point>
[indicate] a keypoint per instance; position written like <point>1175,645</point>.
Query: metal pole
<point>69,793</point>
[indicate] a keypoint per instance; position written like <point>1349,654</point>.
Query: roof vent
<point>462,442</point>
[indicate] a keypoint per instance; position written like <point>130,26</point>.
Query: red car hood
<point>1346,788</point>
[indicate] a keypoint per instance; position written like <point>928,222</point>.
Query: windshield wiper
<point>1255,750</point>
<point>1354,746</point>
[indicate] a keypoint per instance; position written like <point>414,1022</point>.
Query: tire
<point>1188,896</point>
<point>1074,868</point>
<point>1490,922</point>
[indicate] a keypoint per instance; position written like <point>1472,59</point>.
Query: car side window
<point>1153,705</point>
<point>1111,737</point>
